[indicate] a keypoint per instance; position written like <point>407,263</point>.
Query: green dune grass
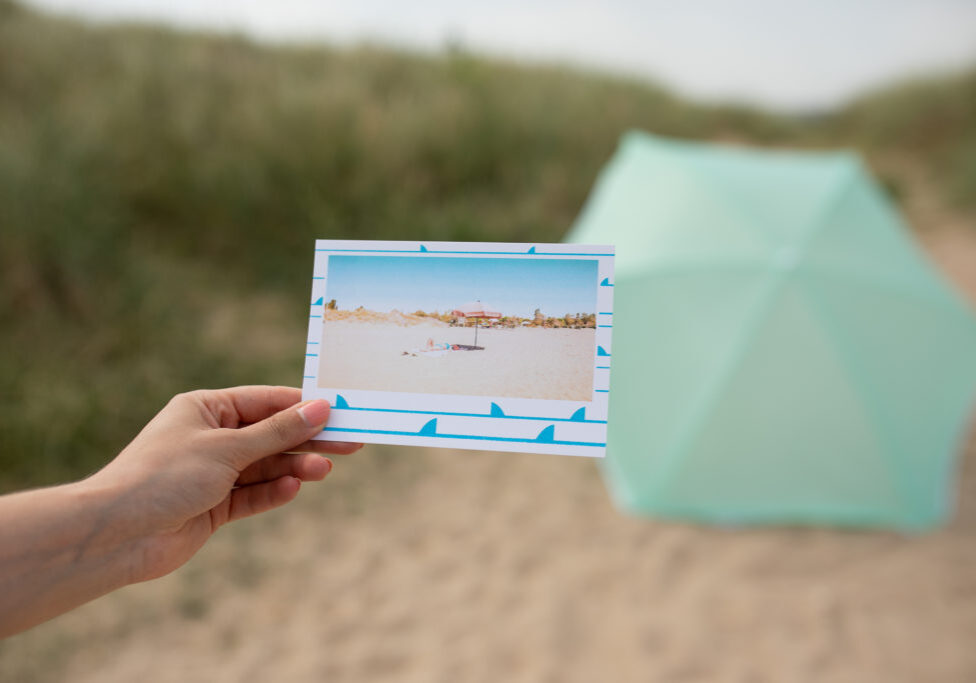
<point>160,192</point>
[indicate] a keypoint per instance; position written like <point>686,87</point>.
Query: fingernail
<point>315,413</point>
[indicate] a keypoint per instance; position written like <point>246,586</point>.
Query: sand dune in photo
<point>365,351</point>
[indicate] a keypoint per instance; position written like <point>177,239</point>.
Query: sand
<point>431,566</point>
<point>515,363</point>
<point>424,566</point>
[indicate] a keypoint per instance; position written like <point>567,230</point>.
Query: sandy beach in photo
<point>554,364</point>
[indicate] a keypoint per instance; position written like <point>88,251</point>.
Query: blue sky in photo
<point>513,286</point>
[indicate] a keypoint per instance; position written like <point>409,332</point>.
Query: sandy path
<point>459,566</point>
<point>427,566</point>
<point>517,363</point>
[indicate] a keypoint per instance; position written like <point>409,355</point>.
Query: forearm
<point>59,548</point>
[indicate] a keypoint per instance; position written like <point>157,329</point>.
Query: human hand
<point>211,457</point>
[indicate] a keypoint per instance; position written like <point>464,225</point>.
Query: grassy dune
<point>160,191</point>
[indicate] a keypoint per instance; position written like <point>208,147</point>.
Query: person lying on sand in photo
<point>432,348</point>
<point>436,346</point>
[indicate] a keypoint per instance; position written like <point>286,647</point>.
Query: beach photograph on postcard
<point>518,327</point>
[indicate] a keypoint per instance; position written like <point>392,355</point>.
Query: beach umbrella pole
<point>476,311</point>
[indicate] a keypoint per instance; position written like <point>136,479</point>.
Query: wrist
<point>114,530</point>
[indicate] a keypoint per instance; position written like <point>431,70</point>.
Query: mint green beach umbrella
<point>782,350</point>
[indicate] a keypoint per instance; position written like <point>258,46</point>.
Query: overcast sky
<point>789,54</point>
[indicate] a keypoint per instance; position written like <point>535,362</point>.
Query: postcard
<point>476,345</point>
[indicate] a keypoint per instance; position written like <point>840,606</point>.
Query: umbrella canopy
<point>782,350</point>
<point>475,309</point>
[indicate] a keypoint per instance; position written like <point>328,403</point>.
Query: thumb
<point>281,431</point>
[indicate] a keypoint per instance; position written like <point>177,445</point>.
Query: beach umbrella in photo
<point>478,311</point>
<point>782,349</point>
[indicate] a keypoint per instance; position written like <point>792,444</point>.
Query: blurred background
<point>164,169</point>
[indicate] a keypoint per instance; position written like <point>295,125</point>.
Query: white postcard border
<point>459,421</point>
